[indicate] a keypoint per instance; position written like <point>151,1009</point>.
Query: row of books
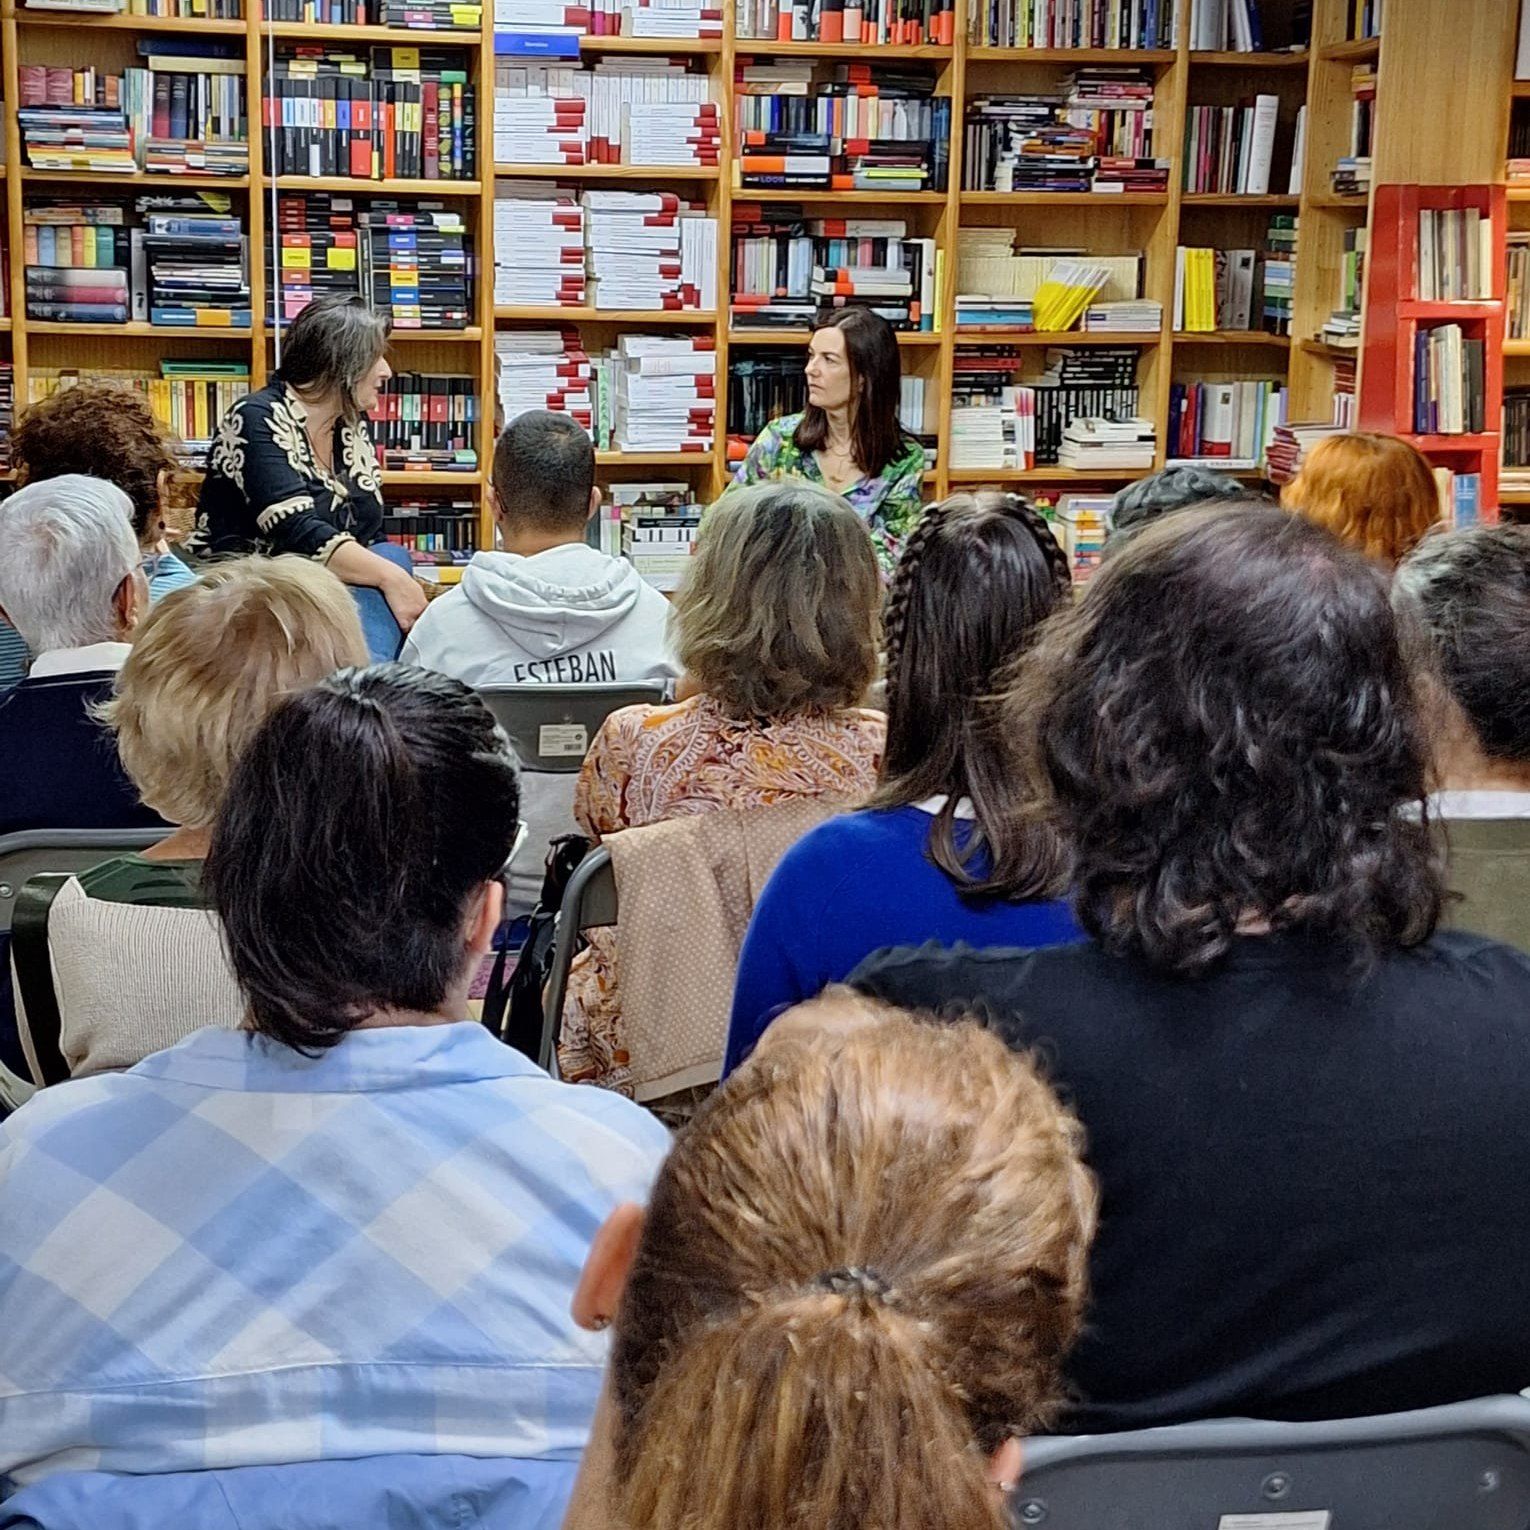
<point>1449,392</point>
<point>559,247</point>
<point>1229,149</point>
<point>1516,429</point>
<point>904,23</point>
<point>552,28</point>
<point>863,127</point>
<point>433,531</point>
<point>1095,135</point>
<point>1068,24</point>
<point>659,524</point>
<point>180,262</point>
<point>1234,289</point>
<point>179,115</point>
<point>412,261</point>
<point>7,412</point>
<point>1351,176</point>
<point>634,111</point>
<point>1342,327</point>
<point>787,268</point>
<point>188,397</point>
<point>1291,441</point>
<point>1460,497</point>
<point>1517,306</point>
<point>1455,255</point>
<point>1226,26</point>
<point>426,422</point>
<point>998,278</point>
<point>399,113</point>
<point>421,15</point>
<point>186,10</point>
<point>1226,425</point>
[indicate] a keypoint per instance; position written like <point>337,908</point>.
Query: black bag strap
<point>34,973</point>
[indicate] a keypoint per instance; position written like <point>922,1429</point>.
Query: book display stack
<point>425,423</point>
<point>406,15</point>
<point>1352,174</point>
<point>649,250</point>
<point>544,369</point>
<point>1116,106</point>
<point>903,23</point>
<point>190,265</point>
<point>993,418</point>
<point>1290,443</point>
<point>1093,445</point>
<point>1225,425</point>
<point>318,241</point>
<point>665,394</point>
<point>440,532</point>
<point>416,264</point>
<point>75,262</point>
<point>761,387</point>
<point>660,525</point>
<point>539,246</point>
<point>997,283</point>
<point>541,114</point>
<point>1278,271</point>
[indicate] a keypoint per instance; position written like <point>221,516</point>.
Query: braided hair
<point>977,577</point>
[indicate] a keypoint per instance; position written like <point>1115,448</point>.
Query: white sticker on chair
<point>562,739</point>
<point>1310,1519</point>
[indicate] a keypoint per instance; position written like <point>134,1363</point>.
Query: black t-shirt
<point>1315,1187</point>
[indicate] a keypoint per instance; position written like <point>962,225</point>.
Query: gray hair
<point>1468,592</point>
<point>1175,488</point>
<point>66,545</point>
<point>332,345</point>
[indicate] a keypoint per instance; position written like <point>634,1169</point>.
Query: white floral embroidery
<point>226,459</point>
<point>281,510</point>
<point>288,433</point>
<point>359,458</point>
<point>328,550</point>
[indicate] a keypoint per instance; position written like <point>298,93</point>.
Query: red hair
<point>1374,492</point>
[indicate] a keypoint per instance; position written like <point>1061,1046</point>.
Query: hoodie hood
<point>565,598</point>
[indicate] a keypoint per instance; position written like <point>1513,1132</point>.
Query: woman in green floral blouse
<point>849,438</point>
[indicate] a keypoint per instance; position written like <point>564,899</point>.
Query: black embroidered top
<point>265,491</point>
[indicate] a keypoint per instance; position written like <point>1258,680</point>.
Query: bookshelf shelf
<point>1515,496</point>
<point>348,187</point>
<point>1293,58</point>
<point>1054,475</point>
<point>984,53</point>
<point>1516,347</point>
<point>676,46</point>
<point>653,459</point>
<point>137,178</point>
<point>391,478</point>
<point>808,194</point>
<point>1233,337</point>
<point>544,315</point>
<point>608,172</point>
<point>911,337</point>
<point>750,47</point>
<point>299,31</point>
<point>1457,443</point>
<point>1519,193</point>
<point>1519,89</point>
<point>1233,199</point>
<point>137,329</point>
<point>5,326</point>
<point>1357,203</point>
<point>127,23</point>
<point>1327,349</point>
<point>1059,198</point>
<point>408,336</point>
<point>1358,51</point>
<point>970,336</point>
<point>1448,311</point>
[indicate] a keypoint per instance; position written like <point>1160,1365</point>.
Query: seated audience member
<point>108,432</point>
<point>207,666</point>
<point>874,1307</point>
<point>1374,492</point>
<point>548,608</point>
<point>942,850</point>
<point>353,1229</point>
<point>776,625</point>
<point>1149,499</point>
<point>1470,592</point>
<point>1304,1106</point>
<point>71,584</point>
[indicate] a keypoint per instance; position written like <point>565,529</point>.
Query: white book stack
<point>538,246</point>
<point>626,90</point>
<point>649,250</point>
<point>671,18</point>
<point>1096,445</point>
<point>543,369</point>
<point>541,114</point>
<point>557,17</point>
<point>666,394</point>
<point>1137,318</point>
<point>996,435</point>
<point>670,133</point>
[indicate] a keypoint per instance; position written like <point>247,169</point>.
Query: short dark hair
<point>977,577</point>
<point>876,434</point>
<point>332,344</point>
<point>362,817</point>
<point>544,470</point>
<point>1225,727</point>
<point>1175,488</point>
<point>1469,591</point>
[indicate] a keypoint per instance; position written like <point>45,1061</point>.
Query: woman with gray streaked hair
<point>292,468</point>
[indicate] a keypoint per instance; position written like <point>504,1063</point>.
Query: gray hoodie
<point>567,616</point>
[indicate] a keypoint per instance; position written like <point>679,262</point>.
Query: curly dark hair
<point>1225,730</point>
<point>977,577</point>
<point>101,429</point>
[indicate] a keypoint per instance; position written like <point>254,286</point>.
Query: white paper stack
<point>666,393</point>
<point>1096,445</point>
<point>538,245</point>
<point>649,250</point>
<point>1140,317</point>
<point>541,114</point>
<point>543,369</point>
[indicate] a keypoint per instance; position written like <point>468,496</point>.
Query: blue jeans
<point>378,625</point>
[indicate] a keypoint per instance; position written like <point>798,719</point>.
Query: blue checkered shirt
<point>234,1255</point>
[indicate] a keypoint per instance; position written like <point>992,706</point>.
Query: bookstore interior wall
<point>1110,236</point>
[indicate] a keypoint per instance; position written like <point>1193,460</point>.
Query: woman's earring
<point>601,1323</point>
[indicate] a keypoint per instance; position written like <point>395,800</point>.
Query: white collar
<point>91,659</point>
<point>1480,803</point>
<point>933,805</point>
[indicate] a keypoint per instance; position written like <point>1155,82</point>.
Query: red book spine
<point>432,129</point>
<point>361,138</point>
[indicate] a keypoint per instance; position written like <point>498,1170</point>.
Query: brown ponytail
<point>861,1269</point>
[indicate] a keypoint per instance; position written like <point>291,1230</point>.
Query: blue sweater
<point>850,887</point>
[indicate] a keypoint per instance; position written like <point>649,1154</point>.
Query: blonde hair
<point>210,663</point>
<point>1374,492</point>
<point>861,1268</point>
<point>779,610</point>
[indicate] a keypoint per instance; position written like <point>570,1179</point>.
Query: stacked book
<point>1081,524</point>
<point>1455,255</point>
<point>1225,425</point>
<point>907,23</point>
<point>1290,443</point>
<point>660,522</point>
<point>867,128</point>
<point>7,412</point>
<point>1278,273</point>
<point>666,393</point>
<point>1448,382</point>
<point>1095,445</point>
<point>442,532</point>
<point>426,423</point>
<point>1003,279</point>
<point>1116,105</point>
<point>1062,24</point>
<point>993,417</point>
<point>552,28</point>
<point>75,262</point>
<point>1517,305</point>
<point>1352,175</point>
<point>190,264</point>
<point>541,113</point>
<point>667,18</point>
<point>74,119</point>
<point>188,397</point>
<point>187,10</point>
<point>398,113</point>
<point>672,133</point>
<point>1137,317</point>
<point>1516,437</point>
<point>543,369</point>
<point>1097,383</point>
<point>787,268</point>
<point>977,311</point>
<point>1025,143</point>
<point>538,245</point>
<point>414,15</point>
<point>416,263</point>
<point>1228,149</point>
<point>649,250</point>
<point>320,243</point>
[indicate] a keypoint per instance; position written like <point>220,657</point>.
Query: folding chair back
<point>552,726</point>
<point>589,903</point>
